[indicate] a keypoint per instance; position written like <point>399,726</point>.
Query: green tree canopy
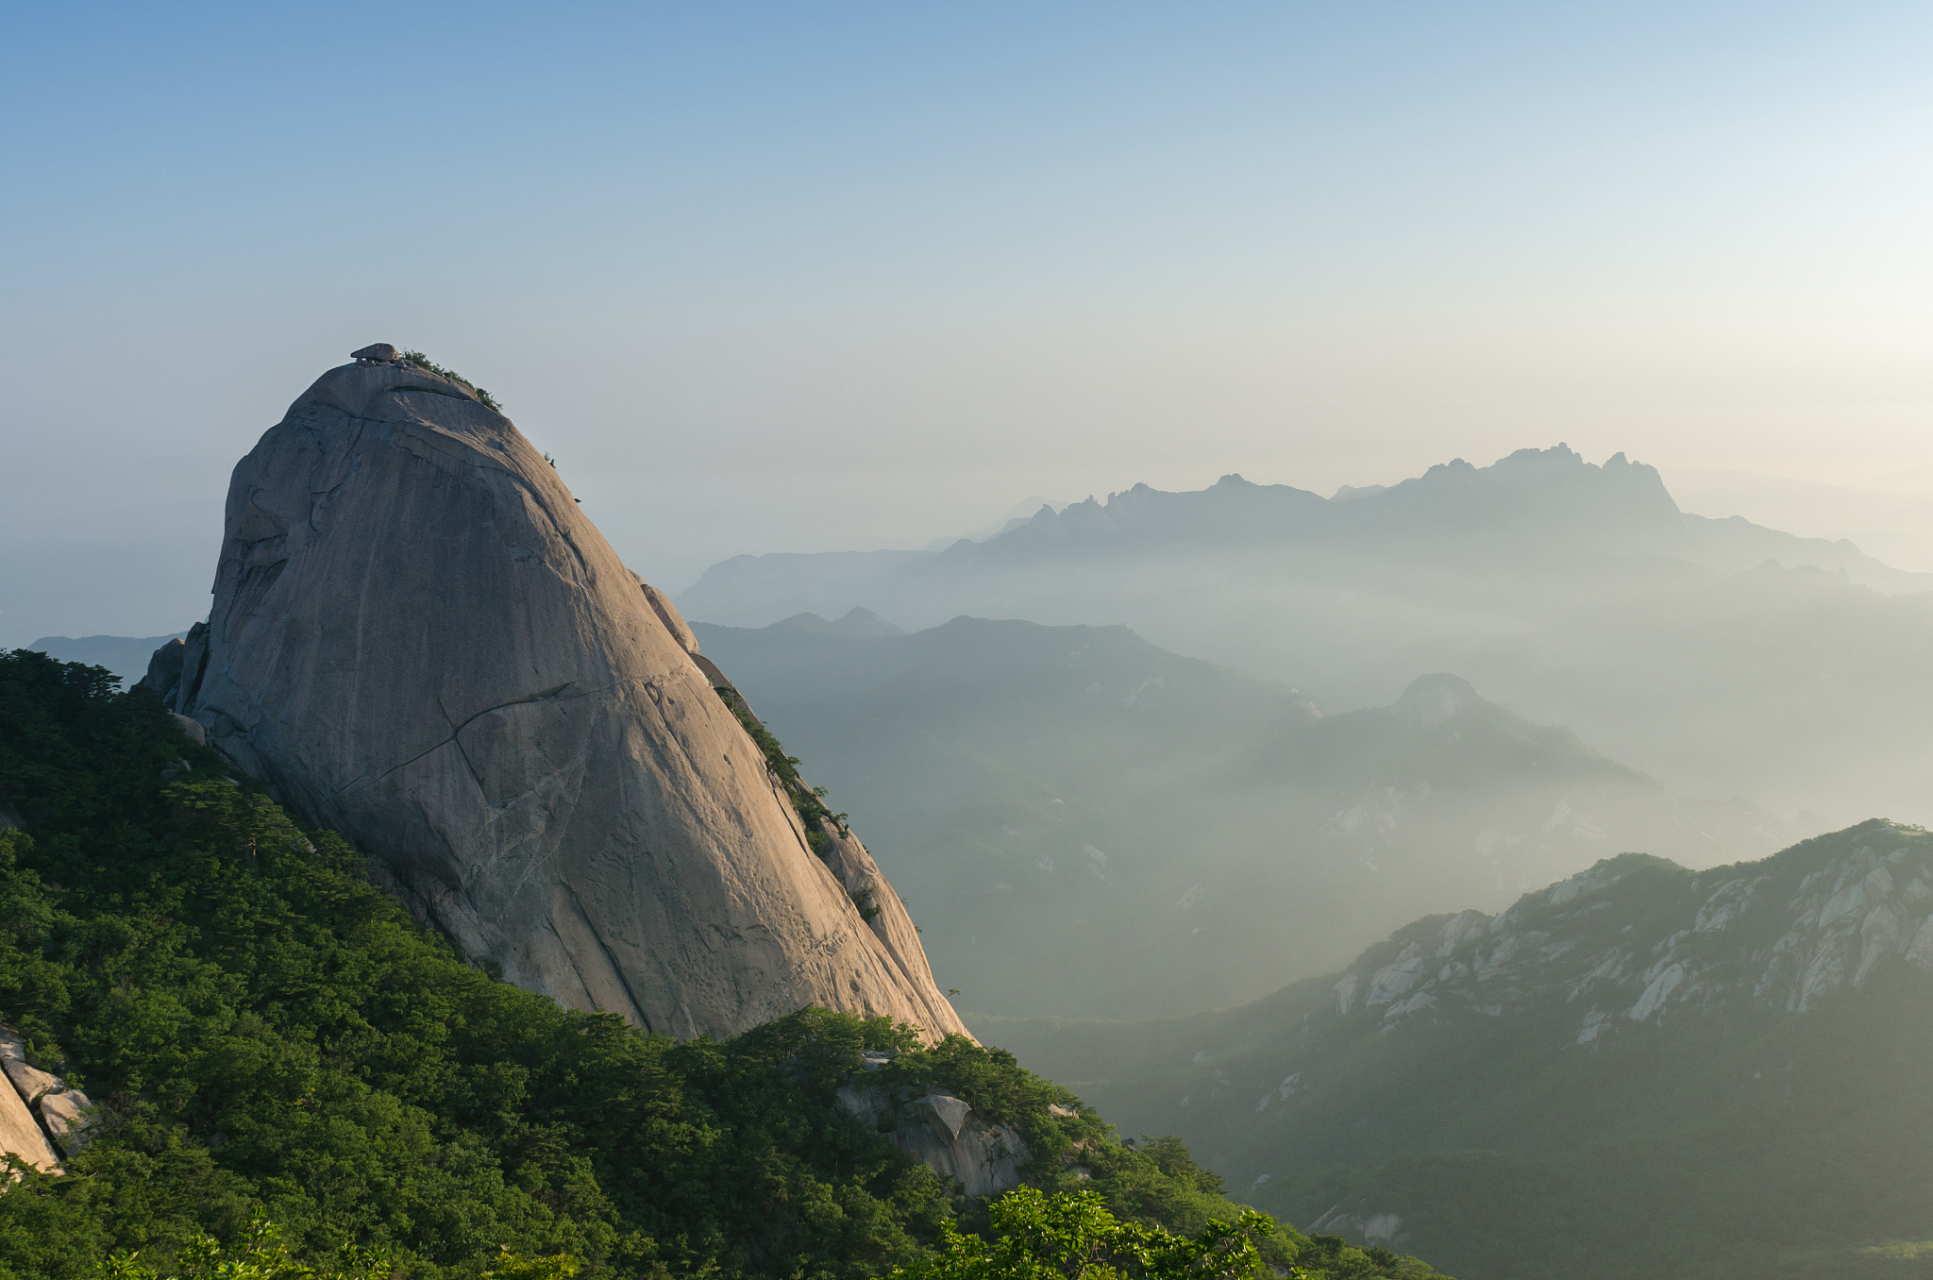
<point>1037,1235</point>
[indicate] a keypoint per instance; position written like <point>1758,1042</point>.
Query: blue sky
<point>813,276</point>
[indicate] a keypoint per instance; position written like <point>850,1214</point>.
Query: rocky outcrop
<point>70,1119</point>
<point>942,1132</point>
<point>164,667</point>
<point>21,1136</point>
<point>419,640</point>
<point>1636,940</point>
<point>65,1115</point>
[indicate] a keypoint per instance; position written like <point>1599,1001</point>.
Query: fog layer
<point>1087,825</point>
<point>1722,658</point>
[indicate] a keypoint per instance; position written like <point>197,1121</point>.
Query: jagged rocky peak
<point>1552,489</point>
<point>1555,488</point>
<point>419,640</point>
<point>1638,940</point>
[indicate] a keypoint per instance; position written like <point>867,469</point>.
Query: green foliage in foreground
<point>259,1255</point>
<point>1072,1235</point>
<point>273,1035</point>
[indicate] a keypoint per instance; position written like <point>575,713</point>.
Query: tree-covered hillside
<point>1641,1072</point>
<point>269,1032</point>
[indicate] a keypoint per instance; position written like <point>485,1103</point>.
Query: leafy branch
<point>428,365</point>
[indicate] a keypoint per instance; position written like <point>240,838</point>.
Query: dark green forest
<point>271,1036</point>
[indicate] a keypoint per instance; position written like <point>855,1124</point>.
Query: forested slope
<point>268,1031</point>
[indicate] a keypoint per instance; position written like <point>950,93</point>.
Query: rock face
<point>419,640</point>
<point>67,1113</point>
<point>944,1133</point>
<point>1775,936</point>
<point>20,1136</point>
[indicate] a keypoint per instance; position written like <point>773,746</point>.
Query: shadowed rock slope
<point>418,640</point>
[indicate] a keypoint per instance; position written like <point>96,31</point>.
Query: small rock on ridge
<point>376,353</point>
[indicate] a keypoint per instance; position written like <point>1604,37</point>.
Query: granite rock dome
<point>419,640</point>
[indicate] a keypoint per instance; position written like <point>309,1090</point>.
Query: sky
<point>830,276</point>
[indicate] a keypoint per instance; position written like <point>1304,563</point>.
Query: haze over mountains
<point>1640,1070</point>
<point>1089,825</point>
<point>1723,658</point>
<point>1890,518</point>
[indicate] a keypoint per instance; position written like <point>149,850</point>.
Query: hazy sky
<point>815,276</point>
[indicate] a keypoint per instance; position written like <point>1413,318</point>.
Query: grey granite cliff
<point>418,640</point>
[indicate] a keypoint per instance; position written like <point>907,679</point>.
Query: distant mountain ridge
<point>1530,487</point>
<point>1638,1071</point>
<point>1535,504</point>
<point>1719,656</point>
<point>126,656</point>
<point>1089,823</point>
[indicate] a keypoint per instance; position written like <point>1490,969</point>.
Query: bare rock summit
<point>419,640</point>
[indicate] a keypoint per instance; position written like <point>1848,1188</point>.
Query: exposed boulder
<point>419,640</point>
<point>70,1118</point>
<point>943,1133</point>
<point>376,353</point>
<point>164,669</point>
<point>30,1081</point>
<point>175,669</point>
<point>19,1134</point>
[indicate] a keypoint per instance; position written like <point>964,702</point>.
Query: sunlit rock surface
<point>20,1134</point>
<point>418,640</point>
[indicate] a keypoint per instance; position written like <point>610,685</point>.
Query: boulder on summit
<point>419,640</point>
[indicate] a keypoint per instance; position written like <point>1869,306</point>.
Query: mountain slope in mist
<point>1088,824</point>
<point>1642,1071</point>
<point>1720,657</point>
